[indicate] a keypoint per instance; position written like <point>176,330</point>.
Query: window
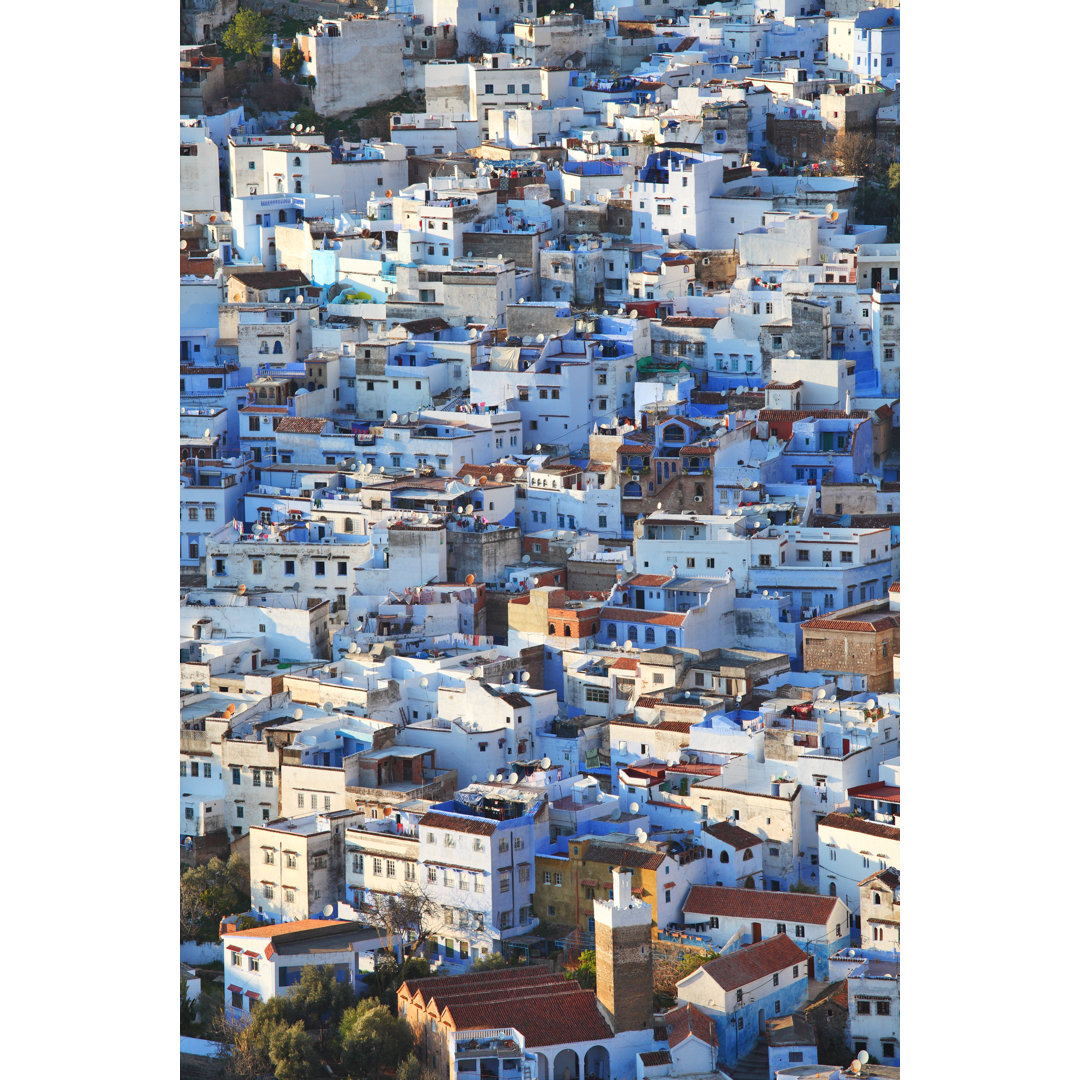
<point>268,891</point>
<point>558,880</point>
<point>800,930</point>
<point>237,1000</point>
<point>290,861</point>
<point>237,959</point>
<point>862,1008</point>
<point>431,875</point>
<point>189,813</point>
<point>781,928</point>
<point>826,556</point>
<point>882,1008</point>
<point>193,513</point>
<point>268,777</point>
<point>358,864</point>
<point>802,555</point>
<point>738,996</point>
<point>795,972</point>
<point>320,568</point>
<point>256,567</point>
<point>300,799</point>
<point>888,1047</point>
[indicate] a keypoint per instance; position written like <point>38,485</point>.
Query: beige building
<point>879,910</point>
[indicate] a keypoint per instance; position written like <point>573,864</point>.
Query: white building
<point>849,848</point>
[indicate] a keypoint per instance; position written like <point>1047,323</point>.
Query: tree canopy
<point>208,893</point>
<point>246,34</point>
<point>373,1039</point>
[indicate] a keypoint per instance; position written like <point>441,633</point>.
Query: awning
<point>251,994</point>
<point>235,989</point>
<point>234,948</point>
<point>248,952</point>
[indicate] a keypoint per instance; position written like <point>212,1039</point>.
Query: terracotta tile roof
<point>685,44</point>
<point>650,702</point>
<point>270,279</point>
<point>894,587</point>
<point>692,321</point>
<point>879,624</point>
<point>760,904</point>
<point>478,826</point>
<point>544,1019</point>
<point>422,989</point>
<point>754,962</point>
<point>890,877</point>
<point>817,414</point>
<point>301,425</point>
<point>443,997</point>
<point>661,618</point>
<point>877,790</point>
<point>650,580</point>
<point>618,855</point>
<point>784,386</point>
<point>655,1057</point>
<point>682,726</point>
<point>625,663</point>
<point>689,1020</point>
<point>279,930</point>
<point>859,825</point>
<point>732,835</point>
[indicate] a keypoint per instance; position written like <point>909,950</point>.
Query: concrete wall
<point>361,66</point>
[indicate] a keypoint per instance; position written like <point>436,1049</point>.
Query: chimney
<point>624,946</point>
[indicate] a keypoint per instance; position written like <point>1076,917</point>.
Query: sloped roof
<point>689,1020</point>
<point>301,425</point>
<point>760,904</point>
<point>479,826</point>
<point>630,856</point>
<point>270,279</point>
<point>732,835</point>
<point>754,962</point>
<point>859,825</point>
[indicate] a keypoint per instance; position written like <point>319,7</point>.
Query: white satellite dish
<point>393,418</point>
<point>459,510</point>
<point>328,707</point>
<point>545,763</point>
<point>539,339</point>
<point>518,472</point>
<point>828,208</point>
<point>513,778</point>
<point>473,781</point>
<point>498,778</point>
<point>526,559</point>
<point>790,353</point>
<point>634,808</point>
<point>539,448</point>
<point>298,714</point>
<point>641,835</point>
<point>424,682</point>
<point>206,433</point>
<point>820,694</point>
<point>468,478</point>
<point>491,776</point>
<point>352,646</point>
<point>734,59</point>
<point>871,703</point>
<point>863,1057</point>
<point>382,468</point>
<point>659,506</point>
<point>613,644</point>
<point>328,911</point>
<point>498,478</point>
<point>470,509</point>
<point>533,583</point>
<point>525,676</point>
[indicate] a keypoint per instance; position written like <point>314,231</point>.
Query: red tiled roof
<point>689,1020</point>
<point>894,587</point>
<point>852,626</point>
<point>649,579</point>
<point>817,414</point>
<point>859,825</point>
<point>692,321</point>
<point>655,1057</point>
<point>754,962</point>
<point>889,877</point>
<point>628,855</point>
<point>276,930</point>
<point>760,904</point>
<point>732,835</point>
<point>544,1019</point>
<point>682,726</point>
<point>878,790</point>
<point>301,425</point>
<point>479,826</point>
<point>625,663</point>
<point>425,987</point>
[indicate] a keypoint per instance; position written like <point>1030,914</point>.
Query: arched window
<point>670,637</point>
<point>632,490</point>
<point>611,631</point>
<point>297,187</point>
<point>650,635</point>
<point>877,896</point>
<point>748,854</point>
<point>264,348</point>
<point>296,161</point>
<point>724,857</point>
<point>281,215</point>
<point>551,628</point>
<point>277,347</point>
<point>632,634</point>
<point>348,524</point>
<point>832,888</point>
<point>566,630</point>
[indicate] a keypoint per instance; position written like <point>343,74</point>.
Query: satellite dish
<point>525,676</point>
<point>526,559</point>
<point>328,911</point>
<point>459,509</point>
<point>470,509</point>
<point>828,208</point>
<point>393,418</point>
<point>298,714</point>
<point>613,644</point>
<point>513,778</point>
<point>820,694</point>
<point>539,339</point>
<point>518,472</point>
<point>628,645</point>
<point>498,478</point>
<point>633,313</point>
<point>328,707</point>
<point>634,807</point>
<point>532,583</point>
<point>382,468</point>
<point>659,506</point>
<point>871,703</point>
<point>641,835</point>
<point>183,245</point>
<point>545,763</point>
<point>855,1067</point>
<point>734,59</point>
<point>424,682</point>
<point>491,776</point>
<point>352,646</point>
<point>539,448</point>
<point>790,354</point>
<point>498,778</point>
<point>470,578</point>
<point>521,299</point>
<point>473,781</point>
<point>863,1057</point>
<point>468,478</point>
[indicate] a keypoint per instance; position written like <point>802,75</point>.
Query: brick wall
<point>857,652</point>
<point>624,982</point>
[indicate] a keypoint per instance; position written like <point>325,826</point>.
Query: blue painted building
<point>877,43</point>
<point>743,989</point>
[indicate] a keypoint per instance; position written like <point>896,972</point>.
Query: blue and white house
<point>745,988</point>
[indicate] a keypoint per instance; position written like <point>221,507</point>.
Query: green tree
<point>373,1039</point>
<point>292,1052</point>
<point>208,893</point>
<point>495,962</point>
<point>291,61</point>
<point>585,972</point>
<point>385,981</point>
<point>246,34</point>
<point>412,1069</point>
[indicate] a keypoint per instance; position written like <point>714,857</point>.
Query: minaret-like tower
<point>624,968</point>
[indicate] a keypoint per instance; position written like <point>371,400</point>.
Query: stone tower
<point>624,968</point>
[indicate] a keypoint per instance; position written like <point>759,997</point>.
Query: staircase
<point>752,1066</point>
